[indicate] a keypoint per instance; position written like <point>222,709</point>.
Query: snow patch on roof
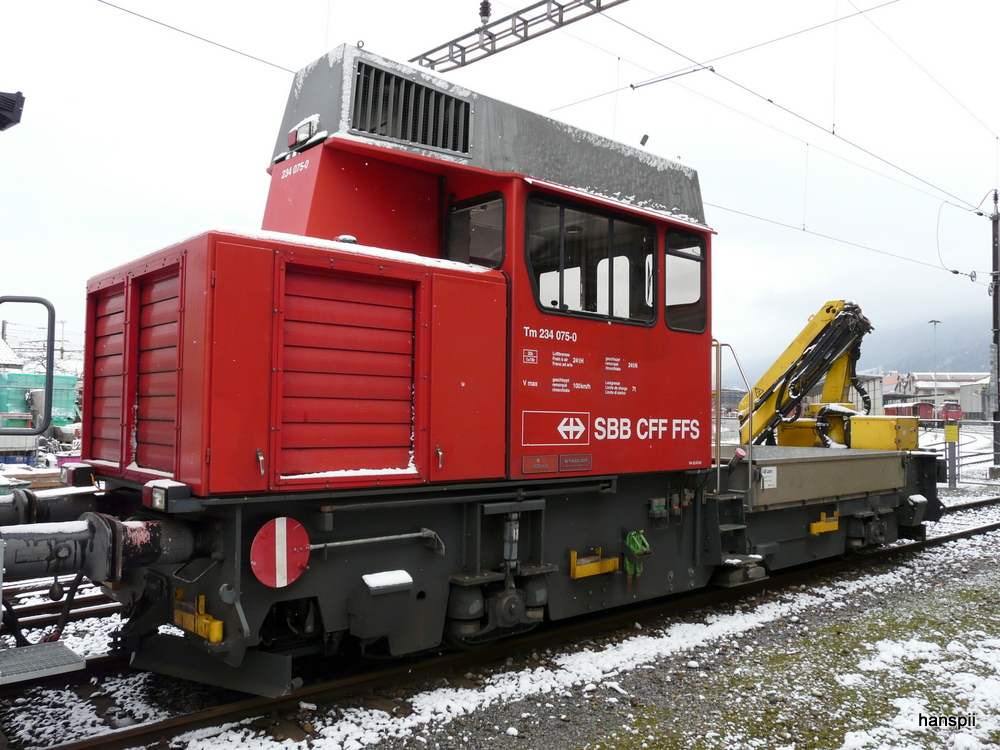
<point>7,356</point>
<point>363,251</point>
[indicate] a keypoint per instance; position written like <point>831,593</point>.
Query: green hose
<point>636,542</point>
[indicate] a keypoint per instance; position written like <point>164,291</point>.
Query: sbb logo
<point>620,428</point>
<point>571,428</point>
<point>611,428</point>
<point>555,428</point>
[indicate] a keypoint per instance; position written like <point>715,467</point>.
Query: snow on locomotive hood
<point>386,103</point>
<point>350,247</point>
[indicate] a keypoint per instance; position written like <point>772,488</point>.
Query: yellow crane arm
<point>828,346</point>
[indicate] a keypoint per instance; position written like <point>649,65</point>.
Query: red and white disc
<point>280,552</point>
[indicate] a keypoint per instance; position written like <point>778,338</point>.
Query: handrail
<point>719,346</point>
<point>50,334</point>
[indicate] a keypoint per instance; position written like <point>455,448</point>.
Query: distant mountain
<point>963,345</point>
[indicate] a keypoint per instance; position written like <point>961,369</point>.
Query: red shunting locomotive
<point>506,415</point>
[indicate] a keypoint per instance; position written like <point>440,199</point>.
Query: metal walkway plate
<point>39,660</point>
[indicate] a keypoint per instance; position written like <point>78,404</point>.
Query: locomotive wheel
<point>485,640</point>
<point>462,644</point>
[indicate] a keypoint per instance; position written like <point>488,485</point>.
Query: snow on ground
<point>88,638</point>
<point>975,446</point>
<point>43,725</point>
<point>82,638</point>
<point>966,668</point>
<point>920,669</point>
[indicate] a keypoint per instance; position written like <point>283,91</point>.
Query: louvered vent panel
<point>347,388</point>
<point>390,106</point>
<point>155,430</point>
<point>105,413</point>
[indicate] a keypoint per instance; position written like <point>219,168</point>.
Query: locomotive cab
<point>603,298</point>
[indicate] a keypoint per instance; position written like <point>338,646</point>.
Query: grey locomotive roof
<point>500,137</point>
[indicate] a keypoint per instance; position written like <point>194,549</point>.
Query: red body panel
<point>921,409</point>
<point>468,380</point>
<point>603,397</point>
<point>950,410</point>
<point>237,422</point>
<point>106,366</point>
<point>241,365</point>
<point>256,365</point>
<point>328,192</point>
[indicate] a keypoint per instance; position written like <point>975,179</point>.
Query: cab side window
<point>476,231</point>
<point>587,263</point>
<point>685,283</point>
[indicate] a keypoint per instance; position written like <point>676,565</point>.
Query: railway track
<point>35,610</point>
<point>266,713</point>
<point>971,505</point>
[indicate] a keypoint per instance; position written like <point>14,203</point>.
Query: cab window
<point>684,282</point>
<point>475,231</point>
<point>587,263</point>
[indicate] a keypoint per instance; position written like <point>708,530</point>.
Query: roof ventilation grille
<point>389,106</point>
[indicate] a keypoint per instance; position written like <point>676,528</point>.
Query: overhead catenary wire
<point>564,32</point>
<point>937,237</point>
<point>707,65</point>
<point>937,243</point>
<point>785,109</point>
<point>698,66</point>
<point>687,71</point>
<point>668,76</point>
<point>829,237</point>
<point>924,70</point>
<point>195,36</point>
<point>803,228</point>
<point>812,145</point>
<point>809,146</point>
<point>752,47</point>
<point>985,198</point>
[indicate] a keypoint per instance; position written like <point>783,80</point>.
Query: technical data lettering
<point>614,388</point>
<point>560,385</point>
<point>552,334</point>
<point>562,359</point>
<point>647,428</point>
<point>614,364</point>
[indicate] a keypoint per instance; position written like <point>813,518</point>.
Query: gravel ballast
<point>850,662</point>
<point>853,661</point>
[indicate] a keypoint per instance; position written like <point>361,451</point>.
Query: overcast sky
<point>879,140</point>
